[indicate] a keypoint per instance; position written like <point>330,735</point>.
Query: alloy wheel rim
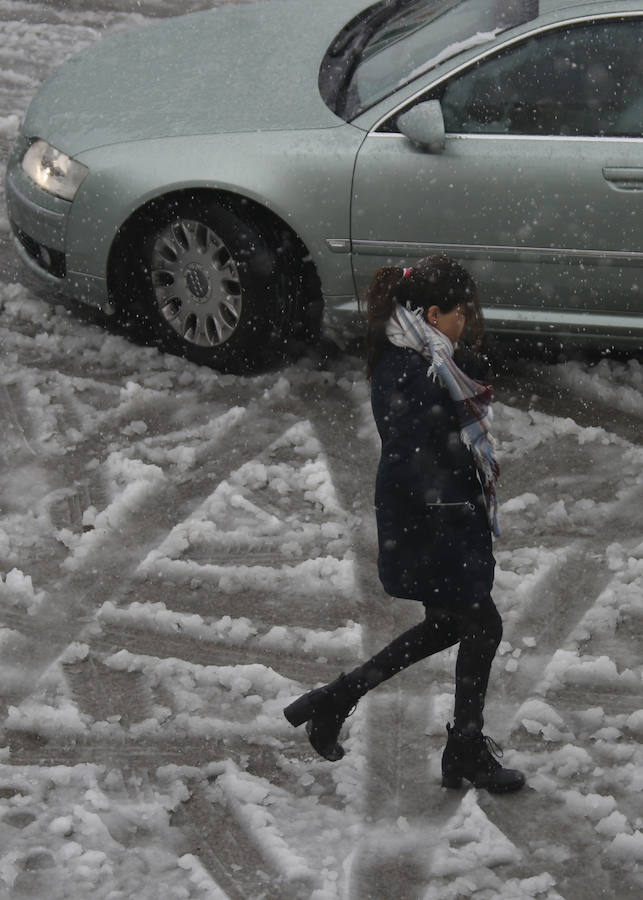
<point>195,283</point>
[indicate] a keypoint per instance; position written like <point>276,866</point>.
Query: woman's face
<point>451,323</point>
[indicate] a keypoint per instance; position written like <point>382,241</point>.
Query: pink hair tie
<point>406,272</point>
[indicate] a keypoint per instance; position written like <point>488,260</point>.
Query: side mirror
<point>423,125</point>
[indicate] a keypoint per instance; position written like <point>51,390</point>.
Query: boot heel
<point>452,781</point>
<point>300,711</point>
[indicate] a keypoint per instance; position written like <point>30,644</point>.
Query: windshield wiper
<point>361,29</point>
<point>346,50</point>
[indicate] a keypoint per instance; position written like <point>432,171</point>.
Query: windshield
<point>395,41</point>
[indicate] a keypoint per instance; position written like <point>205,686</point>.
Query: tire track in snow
<point>14,429</point>
<point>554,617</point>
<point>555,390</point>
<point>106,694</point>
<point>559,602</point>
<point>75,598</point>
<point>274,610</point>
<point>131,754</point>
<point>579,875</point>
<point>201,652</point>
<point>222,846</point>
<point>115,561</point>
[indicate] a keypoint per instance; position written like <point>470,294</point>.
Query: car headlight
<point>53,171</point>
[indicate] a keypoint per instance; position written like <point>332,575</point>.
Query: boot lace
<point>494,750</point>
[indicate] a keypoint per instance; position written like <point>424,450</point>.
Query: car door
<point>539,189</point>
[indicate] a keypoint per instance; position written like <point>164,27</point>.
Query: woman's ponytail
<point>380,300</point>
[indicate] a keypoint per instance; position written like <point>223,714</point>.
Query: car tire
<point>210,286</point>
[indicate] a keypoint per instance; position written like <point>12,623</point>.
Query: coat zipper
<point>467,503</point>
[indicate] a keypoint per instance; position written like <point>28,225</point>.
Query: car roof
<point>589,7</point>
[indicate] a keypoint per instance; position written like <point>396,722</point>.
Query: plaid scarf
<point>408,328</point>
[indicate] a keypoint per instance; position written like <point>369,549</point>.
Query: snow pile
<point>131,482</point>
<point>615,384</point>
<point>17,589</point>
<point>91,837</point>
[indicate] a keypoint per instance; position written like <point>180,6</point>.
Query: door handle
<point>624,178</point>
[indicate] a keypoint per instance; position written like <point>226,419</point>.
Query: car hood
<point>239,67</point>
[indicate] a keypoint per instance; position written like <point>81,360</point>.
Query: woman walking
<point>435,503</point>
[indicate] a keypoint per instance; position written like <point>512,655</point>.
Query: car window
<point>580,80</point>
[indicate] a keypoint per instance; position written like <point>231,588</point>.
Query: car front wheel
<point>209,284</point>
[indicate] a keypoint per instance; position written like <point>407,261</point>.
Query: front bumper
<point>38,220</point>
<point>39,224</point>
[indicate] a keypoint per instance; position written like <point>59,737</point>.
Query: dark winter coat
<point>433,529</point>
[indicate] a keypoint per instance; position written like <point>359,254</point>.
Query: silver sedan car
<point>227,178</point>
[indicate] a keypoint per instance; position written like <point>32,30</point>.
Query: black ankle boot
<point>474,757</point>
<point>324,711</point>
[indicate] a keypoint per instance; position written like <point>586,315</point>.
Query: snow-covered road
<point>181,553</point>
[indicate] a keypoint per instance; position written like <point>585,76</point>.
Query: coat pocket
<point>458,511</point>
<point>458,521</point>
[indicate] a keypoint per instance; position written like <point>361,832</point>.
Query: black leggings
<point>478,630</point>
